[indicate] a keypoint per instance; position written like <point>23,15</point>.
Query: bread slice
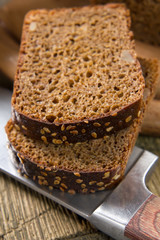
<point>85,167</point>
<point>145,18</point>
<point>78,77</point>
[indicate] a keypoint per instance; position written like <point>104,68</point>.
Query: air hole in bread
<point>116,88</point>
<point>86,58</point>
<point>49,81</point>
<point>51,89</point>
<point>121,75</point>
<point>74,100</point>
<point>55,100</point>
<point>106,110</point>
<point>120,94</point>
<point>60,115</point>
<point>95,109</point>
<point>41,87</point>
<point>71,83</point>
<point>89,74</point>
<point>66,98</point>
<point>50,118</point>
<point>57,71</point>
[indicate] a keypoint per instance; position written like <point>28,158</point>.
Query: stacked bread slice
<point>79,97</point>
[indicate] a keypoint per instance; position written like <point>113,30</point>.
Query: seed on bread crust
<point>128,119</point>
<point>94,135</point>
<point>109,129</point>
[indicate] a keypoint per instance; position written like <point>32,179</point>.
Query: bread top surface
<point>76,64</point>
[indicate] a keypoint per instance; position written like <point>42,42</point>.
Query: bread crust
<point>77,131</point>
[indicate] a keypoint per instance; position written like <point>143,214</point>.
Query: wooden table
<point>26,214</point>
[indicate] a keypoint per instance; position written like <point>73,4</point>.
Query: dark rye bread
<point>78,77</point>
<point>85,167</point>
<point>145,16</point>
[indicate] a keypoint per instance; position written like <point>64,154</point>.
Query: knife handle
<point>145,224</point>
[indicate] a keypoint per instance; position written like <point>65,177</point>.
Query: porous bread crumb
<point>76,64</point>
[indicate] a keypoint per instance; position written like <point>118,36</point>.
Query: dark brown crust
<point>80,130</point>
<point>88,182</point>
<point>76,132</point>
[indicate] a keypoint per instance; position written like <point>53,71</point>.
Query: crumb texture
<point>76,64</point>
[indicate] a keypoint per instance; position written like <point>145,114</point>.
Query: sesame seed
<point>100,184</point>
<point>70,127</point>
<point>56,182</point>
<point>106,175</point>
<point>50,188</point>
<point>96,124</point>
<point>83,185</point>
<point>58,178</point>
<point>105,137</point>
<point>61,189</point>
<point>64,185</point>
<point>41,177</point>
<point>116,177</point>
<point>42,131</point>
<point>40,182</point>
<point>44,174</point>
<point>139,114</point>
<point>84,190</point>
<point>46,129</point>
<point>107,124</point>
<point>48,169</point>
<point>114,114</point>
<point>86,121</point>
<point>41,167</point>
<point>57,141</point>
<point>109,129</point>
<point>75,132</point>
<point>64,138</point>
<point>77,174</point>
<point>92,191</point>
<point>94,135</point>
<point>71,191</point>
<point>92,182</point>
<point>79,180</point>
<point>128,119</point>
<point>83,130</point>
<point>24,127</point>
<point>44,139</point>
<point>107,184</point>
<point>17,127</point>
<point>53,134</point>
<point>62,128</point>
<point>101,189</point>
